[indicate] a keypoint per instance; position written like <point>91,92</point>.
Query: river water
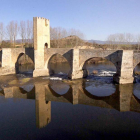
<point>90,108</point>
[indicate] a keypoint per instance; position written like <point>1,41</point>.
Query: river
<point>89,108</point>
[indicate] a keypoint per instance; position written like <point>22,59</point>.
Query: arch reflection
<point>122,99</point>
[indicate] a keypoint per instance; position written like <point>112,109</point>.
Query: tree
<point>138,41</point>
<point>1,32</point>
<point>112,40</point>
<point>61,37</point>
<point>12,31</point>
<point>29,31</point>
<point>75,37</point>
<point>121,38</point>
<point>57,36</point>
<point>22,31</point>
<point>15,32</point>
<point>5,44</point>
<point>129,38</point>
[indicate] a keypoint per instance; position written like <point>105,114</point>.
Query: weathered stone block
<point>40,72</point>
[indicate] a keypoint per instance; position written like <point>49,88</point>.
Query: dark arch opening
<point>24,65</point>
<point>136,73</point>
<point>58,66</point>
<point>98,67</point>
<point>46,45</point>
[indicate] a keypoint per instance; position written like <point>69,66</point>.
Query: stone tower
<point>41,42</point>
<point>41,33</point>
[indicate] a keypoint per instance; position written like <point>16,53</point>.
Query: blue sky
<point>95,18</point>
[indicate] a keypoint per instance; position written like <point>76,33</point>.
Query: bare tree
<point>129,38</point>
<point>29,31</point>
<point>79,38</point>
<point>22,31</point>
<point>76,37</point>
<point>57,35</point>
<point>61,37</point>
<point>15,32</point>
<point>1,32</point>
<point>10,31</point>
<point>121,38</point>
<point>112,40</point>
<point>53,36</point>
<point>138,41</point>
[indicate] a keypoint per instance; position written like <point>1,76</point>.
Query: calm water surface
<point>91,108</point>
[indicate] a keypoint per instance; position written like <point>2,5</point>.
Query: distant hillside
<point>106,42</point>
<point>97,41</point>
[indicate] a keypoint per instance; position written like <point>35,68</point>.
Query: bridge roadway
<point>44,94</point>
<point>124,61</point>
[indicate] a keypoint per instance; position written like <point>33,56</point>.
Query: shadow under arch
<point>135,103</point>
<point>137,99</point>
<point>0,58</point>
<point>136,72</point>
<point>17,61</point>
<point>2,92</point>
<point>136,58</point>
<point>95,66</point>
<point>51,70</point>
<point>68,95</point>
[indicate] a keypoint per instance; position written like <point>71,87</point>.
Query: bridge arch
<point>136,71</point>
<point>136,58</point>
<point>137,68</point>
<point>22,58</point>
<point>111,55</point>
<point>52,58</point>
<point>0,58</point>
<point>94,65</point>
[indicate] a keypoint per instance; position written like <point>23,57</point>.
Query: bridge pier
<point>75,72</point>
<point>39,64</point>
<point>124,73</point>
<point>7,65</point>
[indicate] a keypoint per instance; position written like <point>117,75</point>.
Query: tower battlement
<point>41,33</point>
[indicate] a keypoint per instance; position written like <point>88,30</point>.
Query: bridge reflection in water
<point>122,99</point>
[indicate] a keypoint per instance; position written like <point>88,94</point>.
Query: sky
<point>96,19</point>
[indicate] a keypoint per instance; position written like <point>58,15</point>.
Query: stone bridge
<point>124,60</point>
